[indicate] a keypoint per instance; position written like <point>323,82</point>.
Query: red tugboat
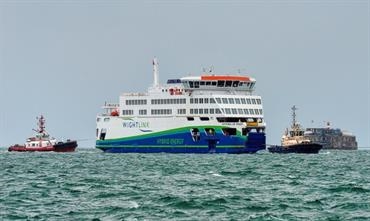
<point>43,142</point>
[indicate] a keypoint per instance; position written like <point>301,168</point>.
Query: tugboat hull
<point>311,148</point>
<point>68,146</point>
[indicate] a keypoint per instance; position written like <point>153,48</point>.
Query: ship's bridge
<point>219,82</point>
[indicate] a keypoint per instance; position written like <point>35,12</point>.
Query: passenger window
<point>209,131</point>
<point>195,134</point>
<point>229,131</point>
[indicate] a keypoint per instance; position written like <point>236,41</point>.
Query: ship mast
<point>294,115</point>
<point>295,126</point>
<point>41,124</point>
<point>155,72</point>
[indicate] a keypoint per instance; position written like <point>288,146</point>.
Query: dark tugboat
<point>43,142</point>
<point>294,140</point>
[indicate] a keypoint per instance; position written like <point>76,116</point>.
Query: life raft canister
<point>114,113</point>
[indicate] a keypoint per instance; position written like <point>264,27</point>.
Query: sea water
<point>92,185</point>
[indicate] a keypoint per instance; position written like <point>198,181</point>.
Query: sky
<point>64,59</point>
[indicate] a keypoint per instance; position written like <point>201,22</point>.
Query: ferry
<point>209,113</point>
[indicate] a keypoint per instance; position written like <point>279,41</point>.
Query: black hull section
<point>68,146</point>
<point>298,148</point>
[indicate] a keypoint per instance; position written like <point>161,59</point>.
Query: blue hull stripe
<point>184,143</point>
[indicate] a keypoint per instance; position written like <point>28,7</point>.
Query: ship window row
<point>142,112</point>
<point>127,112</point>
<point>136,102</point>
<point>241,111</point>
<point>234,111</point>
<point>205,111</point>
<point>169,101</point>
<point>202,101</point>
<point>238,100</point>
<point>161,111</point>
<point>181,111</point>
<point>220,83</point>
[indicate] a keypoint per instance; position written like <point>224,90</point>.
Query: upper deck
<point>218,82</point>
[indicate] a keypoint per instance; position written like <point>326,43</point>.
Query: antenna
<point>155,72</point>
<point>294,115</point>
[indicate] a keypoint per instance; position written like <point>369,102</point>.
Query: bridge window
<point>196,84</point>
<point>208,83</point>
<point>191,84</point>
<point>202,83</point>
<point>235,83</point>
<point>220,83</point>
<point>228,83</point>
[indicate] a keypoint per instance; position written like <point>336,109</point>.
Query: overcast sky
<point>64,59</point>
